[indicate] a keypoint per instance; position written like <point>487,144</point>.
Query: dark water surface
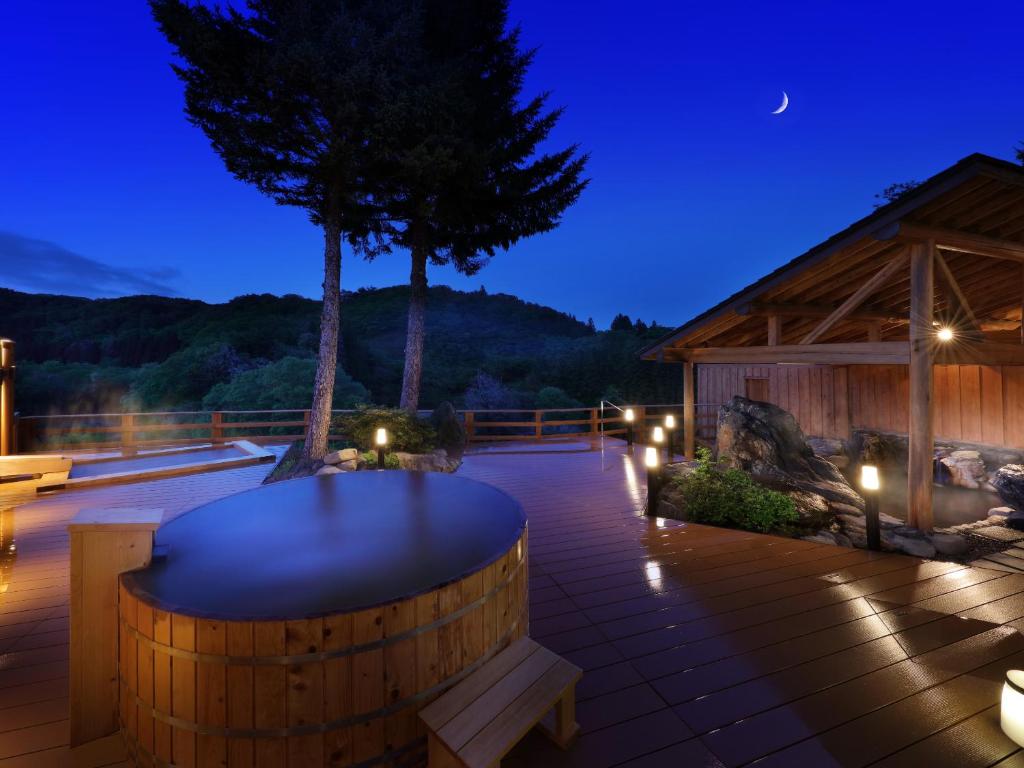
<point>328,544</point>
<point>143,462</point>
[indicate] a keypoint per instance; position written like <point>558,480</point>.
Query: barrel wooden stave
<point>202,697</point>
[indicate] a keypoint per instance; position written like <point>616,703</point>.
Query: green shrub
<point>730,497</point>
<point>405,432</point>
<point>390,460</point>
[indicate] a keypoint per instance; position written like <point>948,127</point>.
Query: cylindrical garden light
<point>870,484</point>
<point>1011,708</point>
<point>670,426</point>
<point>381,440</point>
<point>629,416</point>
<point>653,478</point>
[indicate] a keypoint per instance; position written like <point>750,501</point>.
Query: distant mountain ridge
<point>155,352</point>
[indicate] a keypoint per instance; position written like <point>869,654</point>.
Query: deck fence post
<point>216,427</point>
<point>594,428</point>
<point>538,425</point>
<point>641,422</point>
<point>7,438</point>
<point>104,544</point>
<point>128,432</point>
<point>470,422</point>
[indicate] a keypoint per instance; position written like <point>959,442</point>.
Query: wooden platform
<point>700,646</point>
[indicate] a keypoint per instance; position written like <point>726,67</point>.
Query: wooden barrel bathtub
<point>271,659</point>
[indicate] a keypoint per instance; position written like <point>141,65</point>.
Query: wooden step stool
<point>481,719</point>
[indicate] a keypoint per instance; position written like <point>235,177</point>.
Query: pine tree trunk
<point>323,387</point>
<point>415,331</point>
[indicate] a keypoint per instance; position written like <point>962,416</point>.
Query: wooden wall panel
<point>973,403</point>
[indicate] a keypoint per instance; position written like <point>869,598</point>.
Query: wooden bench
<point>482,718</point>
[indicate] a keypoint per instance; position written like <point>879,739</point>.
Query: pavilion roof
<point>979,195</point>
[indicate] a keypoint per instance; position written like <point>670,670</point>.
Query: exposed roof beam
<point>959,352</point>
<point>954,288</point>
<point>859,296</point>
<point>954,240</point>
<point>881,353</point>
<point>758,309</point>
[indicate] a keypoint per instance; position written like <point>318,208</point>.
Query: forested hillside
<point>150,352</point>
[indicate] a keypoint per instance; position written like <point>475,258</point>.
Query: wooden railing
<point>131,430</point>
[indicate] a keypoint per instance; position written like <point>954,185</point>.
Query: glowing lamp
<point>945,333</point>
<point>869,478</point>
<point>658,435</point>
<point>381,440</point>
<point>670,422</point>
<point>1011,708</point>
<point>651,457</point>
<point>628,415</point>
<point>870,482</point>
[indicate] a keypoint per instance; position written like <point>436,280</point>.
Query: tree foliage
<point>524,347</point>
<point>281,385</point>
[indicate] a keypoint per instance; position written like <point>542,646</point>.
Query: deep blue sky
<point>696,191</point>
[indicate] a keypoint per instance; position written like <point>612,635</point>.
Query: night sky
<point>697,189</point>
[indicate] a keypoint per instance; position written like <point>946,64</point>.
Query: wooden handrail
<point>141,428</point>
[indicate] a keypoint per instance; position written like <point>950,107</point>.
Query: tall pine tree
<point>467,176</point>
<point>294,96</point>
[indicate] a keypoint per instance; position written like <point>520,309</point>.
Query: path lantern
<point>870,484</point>
<point>1011,707</point>
<point>652,463</point>
<point>670,425</point>
<point>629,416</point>
<point>381,439</point>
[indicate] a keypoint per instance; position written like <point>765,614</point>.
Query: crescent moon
<point>782,107</point>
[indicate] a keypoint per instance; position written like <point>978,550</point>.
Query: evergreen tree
<point>621,323</point>
<point>293,96</point>
<point>467,178</point>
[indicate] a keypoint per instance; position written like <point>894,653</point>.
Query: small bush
<point>405,432</point>
<point>730,497</point>
<point>390,460</point>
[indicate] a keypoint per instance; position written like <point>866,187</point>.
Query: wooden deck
<point>701,646</point>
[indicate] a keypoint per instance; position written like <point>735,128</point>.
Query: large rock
<point>766,441</point>
<point>338,457</point>
<point>435,461</point>
<point>451,434</point>
<point>831,449</point>
<point>1009,484</point>
<point>966,469</point>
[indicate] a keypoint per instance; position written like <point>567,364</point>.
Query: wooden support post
<point>1022,308</point>
<point>470,426</point>
<point>920,462</point>
<point>128,433</point>
<point>774,330</point>
<point>689,411</point>
<point>217,427</point>
<point>7,438</point>
<point>538,424</point>
<point>641,425</point>
<point>594,424</point>
<point>104,544</point>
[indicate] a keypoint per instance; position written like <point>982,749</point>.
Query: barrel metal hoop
<point>310,658</point>
<point>319,728</point>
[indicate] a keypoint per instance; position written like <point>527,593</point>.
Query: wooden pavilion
<point>910,320</point>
